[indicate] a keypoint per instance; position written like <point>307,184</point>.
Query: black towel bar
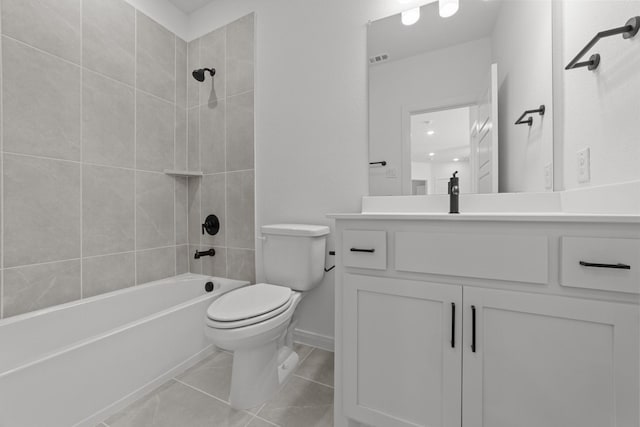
<point>629,30</point>
<point>540,110</point>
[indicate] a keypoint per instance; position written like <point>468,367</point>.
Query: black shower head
<point>199,74</point>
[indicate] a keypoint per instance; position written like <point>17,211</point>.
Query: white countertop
<point>492,216</point>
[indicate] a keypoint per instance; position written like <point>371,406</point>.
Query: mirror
<point>445,95</point>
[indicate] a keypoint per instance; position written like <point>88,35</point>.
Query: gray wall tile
<point>108,204</point>
<point>241,264</point>
<point>240,210</point>
<point>107,273</point>
<point>212,137</point>
<point>182,259</point>
<point>155,264</point>
<point>154,210</point>
<point>181,73</point>
<point>193,63</point>
<point>240,132</point>
<point>215,265</point>
<point>108,118</point>
<point>193,140</point>
<point>41,210</point>
<point>39,286</point>
<point>182,211</point>
<point>155,58</point>
<point>195,265</point>
<point>213,202</point>
<point>53,26</point>
<point>155,132</point>
<point>34,123</point>
<point>108,44</point>
<point>212,55</point>
<point>195,219</point>
<point>240,55</point>
<point>180,161</point>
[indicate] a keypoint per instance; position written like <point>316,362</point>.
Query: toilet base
<point>259,372</point>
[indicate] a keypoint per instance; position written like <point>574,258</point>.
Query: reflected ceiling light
<point>411,16</point>
<point>431,132</point>
<point>456,159</point>
<point>448,7</point>
<point>432,154</point>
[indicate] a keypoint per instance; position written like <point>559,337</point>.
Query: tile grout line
<point>2,171</point>
<point>175,122</point>
<point>226,158</point>
<point>313,381</point>
<point>135,147</point>
<point>81,145</point>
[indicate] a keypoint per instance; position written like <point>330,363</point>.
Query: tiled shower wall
<point>94,98</point>
<point>220,121</point>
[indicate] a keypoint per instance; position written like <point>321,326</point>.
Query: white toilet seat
<point>248,305</point>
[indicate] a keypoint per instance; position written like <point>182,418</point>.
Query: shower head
<point>199,74</point>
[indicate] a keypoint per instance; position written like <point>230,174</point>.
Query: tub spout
<point>199,254</point>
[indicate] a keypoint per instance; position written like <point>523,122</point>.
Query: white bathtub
<point>77,363</point>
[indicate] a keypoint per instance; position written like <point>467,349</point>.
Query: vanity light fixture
<point>456,159</point>
<point>448,7</point>
<point>432,154</point>
<point>411,16</point>
<point>431,132</point>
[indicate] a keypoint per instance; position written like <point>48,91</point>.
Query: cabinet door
<point>402,352</point>
<point>549,361</point>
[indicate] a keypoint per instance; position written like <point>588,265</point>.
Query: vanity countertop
<point>492,216</point>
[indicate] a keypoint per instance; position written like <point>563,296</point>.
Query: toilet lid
<point>248,301</point>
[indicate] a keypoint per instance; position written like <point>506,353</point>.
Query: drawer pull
<point>618,266</point>
<point>369,251</point>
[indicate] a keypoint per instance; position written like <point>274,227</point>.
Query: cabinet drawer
<point>365,249</point>
<point>518,258</point>
<point>606,254</point>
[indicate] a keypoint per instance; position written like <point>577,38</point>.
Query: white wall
<point>522,48</point>
<point>165,14</point>
<point>311,115</point>
<point>446,77</point>
<point>601,108</point>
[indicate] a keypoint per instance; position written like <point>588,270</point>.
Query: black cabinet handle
<point>370,251</point>
<point>594,264</point>
<point>473,328</point>
<point>453,325</point>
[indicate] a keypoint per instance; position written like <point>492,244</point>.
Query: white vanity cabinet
<point>468,322</point>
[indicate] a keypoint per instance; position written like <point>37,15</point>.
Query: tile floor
<point>199,397</point>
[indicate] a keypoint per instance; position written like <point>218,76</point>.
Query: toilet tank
<point>294,254</point>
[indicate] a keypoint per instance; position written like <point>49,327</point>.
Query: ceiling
<point>450,138</point>
<point>474,20</point>
<point>188,6</point>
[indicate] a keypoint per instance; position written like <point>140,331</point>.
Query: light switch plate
<point>584,165</point>
<point>548,176</point>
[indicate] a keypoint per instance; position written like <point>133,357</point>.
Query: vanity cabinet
<point>444,336</point>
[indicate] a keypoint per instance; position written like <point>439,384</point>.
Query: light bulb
<point>432,154</point>
<point>448,7</point>
<point>431,132</point>
<point>411,16</point>
<point>456,159</point>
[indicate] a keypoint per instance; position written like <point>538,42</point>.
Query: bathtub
<point>77,363</point>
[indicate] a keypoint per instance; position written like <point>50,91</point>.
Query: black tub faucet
<point>454,192</point>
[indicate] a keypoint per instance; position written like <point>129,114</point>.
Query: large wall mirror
<point>445,95</point>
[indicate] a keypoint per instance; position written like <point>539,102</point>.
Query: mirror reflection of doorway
<point>441,145</point>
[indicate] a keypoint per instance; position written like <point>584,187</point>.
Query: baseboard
<point>313,339</point>
<point>146,389</point>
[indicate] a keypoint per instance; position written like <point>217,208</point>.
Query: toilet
<point>256,322</point>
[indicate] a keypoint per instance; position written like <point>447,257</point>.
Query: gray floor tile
<point>175,404</point>
<point>302,350</point>
<point>212,375</point>
<point>300,403</point>
<point>257,422</point>
<point>318,367</point>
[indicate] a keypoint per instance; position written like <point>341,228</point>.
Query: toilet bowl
<point>256,322</point>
